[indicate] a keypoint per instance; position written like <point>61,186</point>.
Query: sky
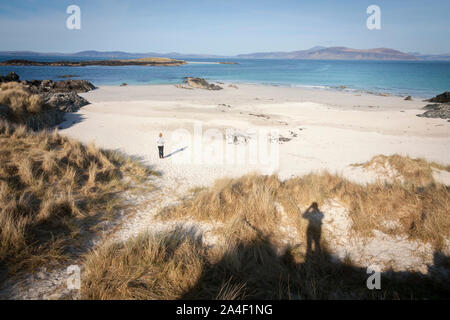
<point>223,27</point>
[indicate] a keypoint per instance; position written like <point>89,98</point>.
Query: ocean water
<point>416,78</point>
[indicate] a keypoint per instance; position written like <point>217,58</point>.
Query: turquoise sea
<point>416,78</point>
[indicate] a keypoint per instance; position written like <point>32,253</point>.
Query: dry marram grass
<point>173,265</point>
<point>247,263</point>
<point>422,211</point>
<point>416,171</point>
<point>20,101</point>
<point>53,190</point>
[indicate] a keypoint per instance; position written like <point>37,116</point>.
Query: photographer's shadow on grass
<point>255,269</point>
<point>314,230</point>
<point>179,265</point>
<point>250,264</point>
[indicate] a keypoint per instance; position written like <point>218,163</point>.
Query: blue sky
<point>223,26</point>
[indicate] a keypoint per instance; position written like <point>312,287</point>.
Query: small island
<point>160,62</point>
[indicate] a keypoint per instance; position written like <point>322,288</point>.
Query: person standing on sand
<point>161,146</point>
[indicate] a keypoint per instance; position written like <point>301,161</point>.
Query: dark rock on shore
<point>408,98</point>
<point>201,83</point>
<point>58,98</point>
<point>436,110</point>
<point>64,101</point>
<point>441,98</point>
<point>12,76</point>
<point>61,94</point>
<point>44,86</point>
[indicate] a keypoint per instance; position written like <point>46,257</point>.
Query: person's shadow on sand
<point>175,152</point>
<point>314,230</point>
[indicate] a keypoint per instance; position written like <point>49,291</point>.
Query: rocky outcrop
<point>201,83</point>
<point>440,109</point>
<point>436,110</point>
<point>64,101</point>
<point>441,98</point>
<point>408,98</point>
<point>58,97</point>
<point>49,86</point>
<point>12,76</point>
<point>61,94</point>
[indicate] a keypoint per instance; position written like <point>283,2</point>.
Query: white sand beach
<point>329,130</point>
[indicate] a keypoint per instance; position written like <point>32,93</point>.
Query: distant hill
<point>316,53</point>
<point>334,53</point>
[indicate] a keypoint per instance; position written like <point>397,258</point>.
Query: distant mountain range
<point>343,53</point>
<point>315,53</point>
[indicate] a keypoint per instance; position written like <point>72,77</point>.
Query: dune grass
<point>252,260</point>
<point>20,102</point>
<point>18,105</point>
<point>53,192</point>
<point>416,171</point>
<point>147,267</point>
<point>172,265</point>
<point>421,210</point>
